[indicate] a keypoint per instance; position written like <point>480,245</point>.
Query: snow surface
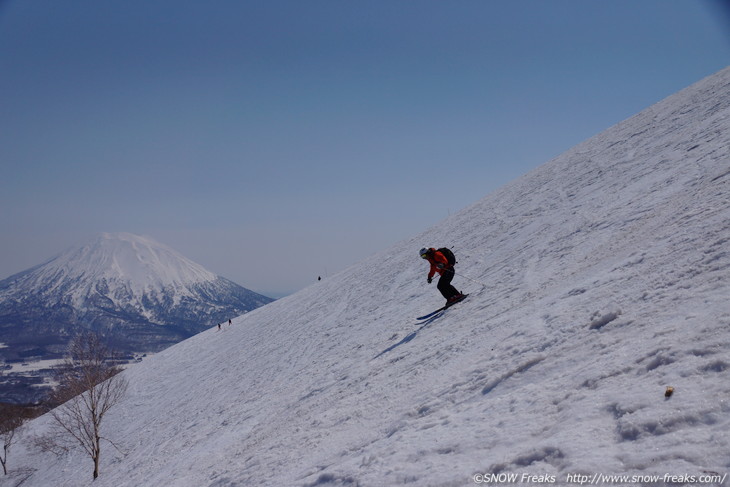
<point>604,279</point>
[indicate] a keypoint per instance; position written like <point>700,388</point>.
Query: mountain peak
<point>142,293</point>
<point>139,261</point>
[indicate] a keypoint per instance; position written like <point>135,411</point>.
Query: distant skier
<point>442,261</point>
<point>229,322</point>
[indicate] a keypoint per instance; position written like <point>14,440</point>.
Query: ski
<point>432,313</point>
<point>443,308</point>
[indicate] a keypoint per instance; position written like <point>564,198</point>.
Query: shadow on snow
<point>411,335</point>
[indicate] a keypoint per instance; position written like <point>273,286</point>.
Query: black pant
<point>444,285</point>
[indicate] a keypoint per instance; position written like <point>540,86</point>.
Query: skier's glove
<point>429,280</point>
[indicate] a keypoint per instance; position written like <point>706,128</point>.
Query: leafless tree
<point>10,427</point>
<point>12,419</point>
<point>89,385</point>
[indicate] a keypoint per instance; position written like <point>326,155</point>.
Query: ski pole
<point>470,279</point>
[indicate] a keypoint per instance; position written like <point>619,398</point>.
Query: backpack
<point>448,254</point>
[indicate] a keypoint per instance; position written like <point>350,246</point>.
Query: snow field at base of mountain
<point>604,280</point>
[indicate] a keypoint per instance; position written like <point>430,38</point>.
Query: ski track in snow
<point>606,280</point>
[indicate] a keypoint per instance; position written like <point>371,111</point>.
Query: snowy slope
<point>605,279</point>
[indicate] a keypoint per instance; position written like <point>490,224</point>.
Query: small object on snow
<point>668,393</point>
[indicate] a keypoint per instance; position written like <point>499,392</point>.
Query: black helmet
<point>424,252</point>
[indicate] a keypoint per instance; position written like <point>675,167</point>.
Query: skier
<point>440,263</point>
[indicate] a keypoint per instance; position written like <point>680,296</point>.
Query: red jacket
<point>439,263</point>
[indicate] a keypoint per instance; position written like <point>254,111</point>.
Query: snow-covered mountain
<point>141,294</point>
<point>595,281</point>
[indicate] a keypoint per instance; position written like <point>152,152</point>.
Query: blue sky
<point>276,141</point>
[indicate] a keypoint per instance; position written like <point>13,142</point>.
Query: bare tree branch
<point>89,385</point>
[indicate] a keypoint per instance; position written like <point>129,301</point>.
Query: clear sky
<point>275,141</point>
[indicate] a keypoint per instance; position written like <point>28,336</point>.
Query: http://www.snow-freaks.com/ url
<point>708,478</point>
